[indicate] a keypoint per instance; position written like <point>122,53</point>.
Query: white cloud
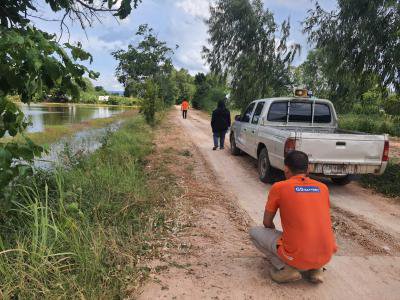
<point>191,60</point>
<point>196,8</point>
<point>299,5</point>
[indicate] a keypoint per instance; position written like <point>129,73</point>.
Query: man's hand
<point>269,219</point>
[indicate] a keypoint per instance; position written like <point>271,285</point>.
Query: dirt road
<point>223,263</point>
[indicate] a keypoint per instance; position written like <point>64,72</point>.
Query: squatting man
<point>307,242</point>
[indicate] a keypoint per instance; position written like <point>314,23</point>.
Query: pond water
<point>42,115</point>
<point>66,150</point>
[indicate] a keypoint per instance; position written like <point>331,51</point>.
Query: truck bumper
<point>346,169</point>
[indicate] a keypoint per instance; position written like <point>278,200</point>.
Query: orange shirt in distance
<point>185,105</point>
<point>307,241</point>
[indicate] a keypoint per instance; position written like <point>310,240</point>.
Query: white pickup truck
<point>270,128</point>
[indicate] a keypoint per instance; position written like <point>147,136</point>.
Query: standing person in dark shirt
<point>220,123</point>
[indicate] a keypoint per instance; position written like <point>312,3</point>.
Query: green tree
<point>100,89</point>
<point>360,39</point>
<point>245,46</point>
<point>210,89</point>
<point>313,74</point>
<point>143,65</point>
<point>185,85</point>
<point>347,91</point>
<point>33,61</point>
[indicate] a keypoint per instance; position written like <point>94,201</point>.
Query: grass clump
<point>81,231</point>
<point>388,183</point>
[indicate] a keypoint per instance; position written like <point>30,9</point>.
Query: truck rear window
<point>300,112</point>
<point>322,113</point>
<point>278,112</point>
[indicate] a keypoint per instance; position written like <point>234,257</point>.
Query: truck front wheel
<point>264,167</point>
<point>341,180</point>
<point>234,149</point>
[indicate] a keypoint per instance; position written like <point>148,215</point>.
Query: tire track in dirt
<point>351,228</point>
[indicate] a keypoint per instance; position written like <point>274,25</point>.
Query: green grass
<point>378,124</point>
<point>388,183</point>
<point>83,230</point>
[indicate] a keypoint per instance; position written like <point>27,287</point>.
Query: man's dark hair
<point>297,162</point>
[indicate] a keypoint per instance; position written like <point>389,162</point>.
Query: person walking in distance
<point>220,123</point>
<point>185,108</point>
<point>307,242</point>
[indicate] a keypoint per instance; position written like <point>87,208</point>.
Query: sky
<point>178,22</point>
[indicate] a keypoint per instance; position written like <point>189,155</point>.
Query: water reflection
<point>48,115</point>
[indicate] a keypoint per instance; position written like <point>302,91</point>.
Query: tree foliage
<point>348,91</point>
<point>245,46</point>
<point>210,89</point>
<point>147,59</point>
<point>145,69</point>
<point>360,39</point>
<point>33,62</point>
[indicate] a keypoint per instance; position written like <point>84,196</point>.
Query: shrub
<point>378,124</point>
<point>392,105</point>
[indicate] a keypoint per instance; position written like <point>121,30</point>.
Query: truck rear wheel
<point>234,149</point>
<point>264,167</point>
<point>341,180</point>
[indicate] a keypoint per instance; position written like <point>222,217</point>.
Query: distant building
<point>104,98</point>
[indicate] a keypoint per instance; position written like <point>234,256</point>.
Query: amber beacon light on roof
<point>302,93</point>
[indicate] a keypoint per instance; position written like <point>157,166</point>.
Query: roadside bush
<point>392,105</point>
<point>378,124</point>
<point>80,232</point>
<point>362,109</point>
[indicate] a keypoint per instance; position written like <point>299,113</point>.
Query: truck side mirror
<point>237,118</point>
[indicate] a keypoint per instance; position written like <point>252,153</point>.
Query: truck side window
<point>300,112</point>
<point>278,112</point>
<point>322,113</point>
<point>257,113</point>
<point>247,114</point>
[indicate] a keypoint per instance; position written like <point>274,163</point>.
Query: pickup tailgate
<point>332,154</point>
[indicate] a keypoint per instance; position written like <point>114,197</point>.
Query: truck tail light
<point>290,145</point>
<point>385,156</point>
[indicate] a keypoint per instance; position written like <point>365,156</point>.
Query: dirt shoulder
<point>212,256</point>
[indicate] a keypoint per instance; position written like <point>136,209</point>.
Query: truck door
<point>244,123</point>
<point>252,132</point>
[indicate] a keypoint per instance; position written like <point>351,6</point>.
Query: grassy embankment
<point>81,231</point>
